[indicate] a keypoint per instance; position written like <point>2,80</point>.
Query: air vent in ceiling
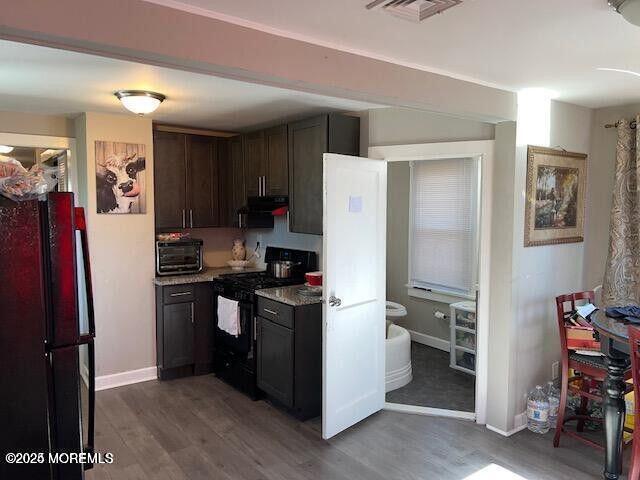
<point>415,10</point>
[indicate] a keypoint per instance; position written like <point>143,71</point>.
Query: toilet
<point>398,371</point>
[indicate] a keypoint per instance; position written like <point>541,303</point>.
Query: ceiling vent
<point>414,10</point>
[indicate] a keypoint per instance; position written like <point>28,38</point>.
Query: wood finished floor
<point>199,428</point>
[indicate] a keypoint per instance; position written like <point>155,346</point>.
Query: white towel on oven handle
<point>228,316</point>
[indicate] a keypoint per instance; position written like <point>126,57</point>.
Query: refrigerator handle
<point>81,226</point>
<point>89,447</point>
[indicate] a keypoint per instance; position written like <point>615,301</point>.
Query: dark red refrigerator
<point>47,359</point>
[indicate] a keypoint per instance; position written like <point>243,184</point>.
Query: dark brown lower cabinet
<point>184,330</point>
<point>275,360</point>
<point>289,356</point>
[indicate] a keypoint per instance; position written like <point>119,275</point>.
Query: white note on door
<point>355,204</point>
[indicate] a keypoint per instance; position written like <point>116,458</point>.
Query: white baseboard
<point>126,378</point>
<point>429,411</point>
<point>430,341</point>
<point>519,421</point>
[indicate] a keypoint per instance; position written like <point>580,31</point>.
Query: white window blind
<point>444,205</point>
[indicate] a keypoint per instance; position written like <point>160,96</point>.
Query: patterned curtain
<point>621,284</point>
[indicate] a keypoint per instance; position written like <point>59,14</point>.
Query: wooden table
<point>615,346</point>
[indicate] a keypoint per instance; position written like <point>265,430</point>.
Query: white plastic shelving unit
<point>463,336</point>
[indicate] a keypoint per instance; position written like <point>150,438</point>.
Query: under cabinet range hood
<point>259,211</point>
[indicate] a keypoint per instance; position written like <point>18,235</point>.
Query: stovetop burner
<point>258,280</point>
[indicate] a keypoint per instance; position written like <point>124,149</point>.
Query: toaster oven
<point>177,257</point>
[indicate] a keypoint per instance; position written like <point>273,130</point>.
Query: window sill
<point>442,296</point>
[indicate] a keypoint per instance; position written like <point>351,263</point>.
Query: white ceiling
<point>511,44</point>
<point>49,81</point>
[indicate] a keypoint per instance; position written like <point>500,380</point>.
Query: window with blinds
<point>444,225</point>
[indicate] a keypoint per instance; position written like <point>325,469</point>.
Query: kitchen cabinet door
<point>307,144</point>
<point>169,167</point>
<point>238,190</point>
<point>202,182</point>
<point>178,334</point>
<point>203,329</point>
<point>275,360</point>
<point>277,178</point>
<point>308,140</point>
<point>253,145</point>
<point>232,192</point>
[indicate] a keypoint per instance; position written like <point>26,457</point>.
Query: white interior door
<point>354,265</point>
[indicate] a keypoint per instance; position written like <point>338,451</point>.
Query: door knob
<point>334,301</point>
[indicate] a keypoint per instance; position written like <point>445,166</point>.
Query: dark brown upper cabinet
<point>255,165</point>
<point>170,172</point>
<point>277,174</point>
<point>203,189</point>
<point>186,179</point>
<point>308,140</point>
<point>232,189</point>
<point>265,162</point>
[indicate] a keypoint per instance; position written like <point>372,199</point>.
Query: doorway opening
<point>437,277</point>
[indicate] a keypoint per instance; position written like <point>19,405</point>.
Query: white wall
<point>121,247</point>
<point>538,275</point>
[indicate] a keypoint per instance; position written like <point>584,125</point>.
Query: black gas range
<point>235,357</point>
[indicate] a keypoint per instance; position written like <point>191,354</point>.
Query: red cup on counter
<point>314,279</point>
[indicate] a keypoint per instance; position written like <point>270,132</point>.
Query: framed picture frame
<point>120,177</point>
<point>555,201</point>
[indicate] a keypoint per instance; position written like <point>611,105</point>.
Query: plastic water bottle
<point>554,403</point>
<point>538,411</point>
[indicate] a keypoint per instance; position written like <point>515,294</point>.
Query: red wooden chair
<point>588,367</point>
<point>634,343</point>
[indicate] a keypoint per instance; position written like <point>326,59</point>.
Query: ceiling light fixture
<point>6,149</point>
<point>629,9</point>
<point>140,102</point>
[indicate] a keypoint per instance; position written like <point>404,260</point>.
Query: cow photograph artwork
<point>120,177</point>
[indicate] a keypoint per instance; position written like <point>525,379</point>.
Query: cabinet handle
<point>184,222</point>
<point>192,313</point>
<point>239,220</point>
<point>191,217</point>
<point>259,187</point>
<point>179,294</point>
<point>270,311</point>
<point>264,185</point>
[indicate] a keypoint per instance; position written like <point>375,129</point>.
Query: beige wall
<point>217,242</point>
<point>398,126</point>
<point>34,124</point>
<point>600,189</point>
<point>216,47</point>
<point>121,246</point>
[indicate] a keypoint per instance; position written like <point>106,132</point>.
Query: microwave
<point>176,257</point>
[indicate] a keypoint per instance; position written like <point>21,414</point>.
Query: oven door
<point>243,343</point>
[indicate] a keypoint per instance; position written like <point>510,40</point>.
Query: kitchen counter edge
<point>289,296</point>
<point>208,274</point>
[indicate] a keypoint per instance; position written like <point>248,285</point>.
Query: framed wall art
<point>556,184</point>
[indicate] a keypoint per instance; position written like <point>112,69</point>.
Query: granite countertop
<point>289,295</point>
<point>206,275</point>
